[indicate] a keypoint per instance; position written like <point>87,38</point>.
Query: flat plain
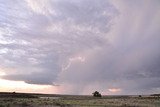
<point>52,100</point>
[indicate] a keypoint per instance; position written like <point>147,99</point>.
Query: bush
<point>97,94</point>
<point>24,104</point>
<point>140,96</point>
<point>2,105</point>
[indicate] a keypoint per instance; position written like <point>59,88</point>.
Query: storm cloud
<point>82,45</point>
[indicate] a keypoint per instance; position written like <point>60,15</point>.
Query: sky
<point>80,46</point>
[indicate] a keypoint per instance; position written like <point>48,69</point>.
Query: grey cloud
<point>124,56</point>
<point>111,68</point>
<point>130,63</point>
<point>50,38</point>
<point>34,78</point>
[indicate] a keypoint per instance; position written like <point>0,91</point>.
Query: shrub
<point>24,104</point>
<point>2,105</point>
<point>140,95</point>
<point>97,94</point>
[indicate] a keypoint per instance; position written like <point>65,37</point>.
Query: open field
<point>49,100</point>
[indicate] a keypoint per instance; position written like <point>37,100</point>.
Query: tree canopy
<point>97,94</point>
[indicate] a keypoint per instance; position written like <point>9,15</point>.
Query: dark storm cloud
<point>38,78</point>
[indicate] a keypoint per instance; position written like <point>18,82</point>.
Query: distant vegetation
<point>15,99</point>
<point>156,95</point>
<point>97,94</point>
<point>17,95</point>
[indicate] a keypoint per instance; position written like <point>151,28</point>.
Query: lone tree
<point>97,94</point>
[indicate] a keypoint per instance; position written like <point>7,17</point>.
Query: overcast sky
<point>79,46</point>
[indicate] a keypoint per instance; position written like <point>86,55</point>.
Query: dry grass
<point>81,101</point>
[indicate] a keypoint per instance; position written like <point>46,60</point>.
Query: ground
<point>46,100</point>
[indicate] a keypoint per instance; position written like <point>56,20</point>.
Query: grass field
<point>48,100</point>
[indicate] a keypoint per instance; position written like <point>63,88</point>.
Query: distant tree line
<point>156,95</point>
<point>17,95</point>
